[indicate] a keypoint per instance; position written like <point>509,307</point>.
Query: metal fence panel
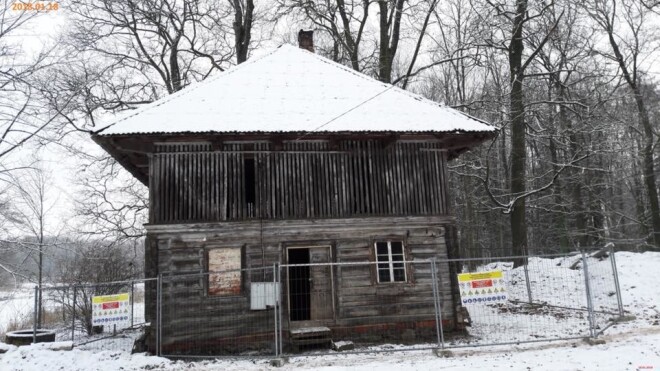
<point>68,311</point>
<point>217,314</point>
<point>374,306</point>
<point>544,299</point>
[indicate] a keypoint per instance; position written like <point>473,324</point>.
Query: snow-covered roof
<point>293,90</point>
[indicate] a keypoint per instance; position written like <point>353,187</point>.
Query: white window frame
<point>390,262</point>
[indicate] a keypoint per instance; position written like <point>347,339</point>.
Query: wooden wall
<point>190,316</point>
<point>299,179</point>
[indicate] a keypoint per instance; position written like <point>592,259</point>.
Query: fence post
<point>159,304</point>
<point>587,286</point>
<point>73,314</point>
<point>34,316</point>
<point>279,303</point>
<point>275,309</point>
<point>527,282</point>
<point>132,302</point>
<point>615,273</point>
<point>438,307</point>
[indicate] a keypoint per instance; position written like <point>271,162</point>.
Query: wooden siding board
<point>307,180</point>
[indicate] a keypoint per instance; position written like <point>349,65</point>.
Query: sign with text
<point>110,310</point>
<point>482,288</point>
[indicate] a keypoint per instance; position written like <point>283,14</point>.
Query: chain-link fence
<point>218,313</point>
<point>549,297</point>
<point>383,305</point>
<point>388,305</point>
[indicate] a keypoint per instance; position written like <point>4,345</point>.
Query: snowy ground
<point>633,345</point>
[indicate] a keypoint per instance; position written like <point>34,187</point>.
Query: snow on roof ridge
<point>190,88</point>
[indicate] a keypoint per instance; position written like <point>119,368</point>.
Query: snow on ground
<point>633,345</point>
<point>16,305</point>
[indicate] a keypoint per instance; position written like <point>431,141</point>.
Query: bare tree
<point>112,203</point>
<point>94,263</point>
<point>21,116</point>
<point>628,27</point>
<point>34,202</point>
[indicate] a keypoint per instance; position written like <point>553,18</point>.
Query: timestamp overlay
<point>39,6</point>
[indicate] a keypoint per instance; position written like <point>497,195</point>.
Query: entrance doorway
<point>309,286</point>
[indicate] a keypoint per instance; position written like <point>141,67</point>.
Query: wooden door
<point>321,298</point>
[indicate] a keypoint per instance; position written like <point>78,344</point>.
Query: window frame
<point>207,280</point>
<point>391,262</point>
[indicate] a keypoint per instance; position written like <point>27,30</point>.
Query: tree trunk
<point>649,173</point>
<point>518,133</point>
<point>242,29</point>
<point>384,64</point>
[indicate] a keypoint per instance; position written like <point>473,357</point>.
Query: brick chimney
<point>306,40</point>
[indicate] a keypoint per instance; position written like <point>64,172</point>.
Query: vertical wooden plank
<point>336,183</point>
<point>152,189</point>
<point>419,187</point>
<point>289,183</point>
<point>427,159</point>
<point>389,181</point>
<point>178,196</point>
<point>186,183</point>
<point>411,180</point>
<point>316,191</point>
<point>381,172</point>
<point>354,188</point>
<point>345,179</point>
<point>224,190</point>
<point>205,201</point>
<point>282,185</point>
<point>444,182</point>
<point>195,184</point>
<point>168,177</point>
<point>327,181</point>
<point>231,210</point>
<point>240,180</point>
<point>435,184</point>
<point>362,179</point>
<point>372,184</point>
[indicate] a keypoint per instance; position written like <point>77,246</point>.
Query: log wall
<point>191,316</point>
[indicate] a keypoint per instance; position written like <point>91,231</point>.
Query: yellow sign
<point>464,277</point>
<point>478,288</point>
<point>109,298</point>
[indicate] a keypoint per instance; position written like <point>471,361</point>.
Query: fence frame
<point>437,302</point>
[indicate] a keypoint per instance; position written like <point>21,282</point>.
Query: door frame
<point>327,246</point>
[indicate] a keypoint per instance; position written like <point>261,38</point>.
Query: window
<point>224,267</point>
<point>391,261</point>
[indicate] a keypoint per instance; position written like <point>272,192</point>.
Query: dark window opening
<point>299,285</point>
<point>249,169</point>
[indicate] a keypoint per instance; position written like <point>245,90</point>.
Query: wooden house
<point>291,158</point>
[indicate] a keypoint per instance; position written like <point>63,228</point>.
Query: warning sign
<point>111,310</point>
<point>482,288</point>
